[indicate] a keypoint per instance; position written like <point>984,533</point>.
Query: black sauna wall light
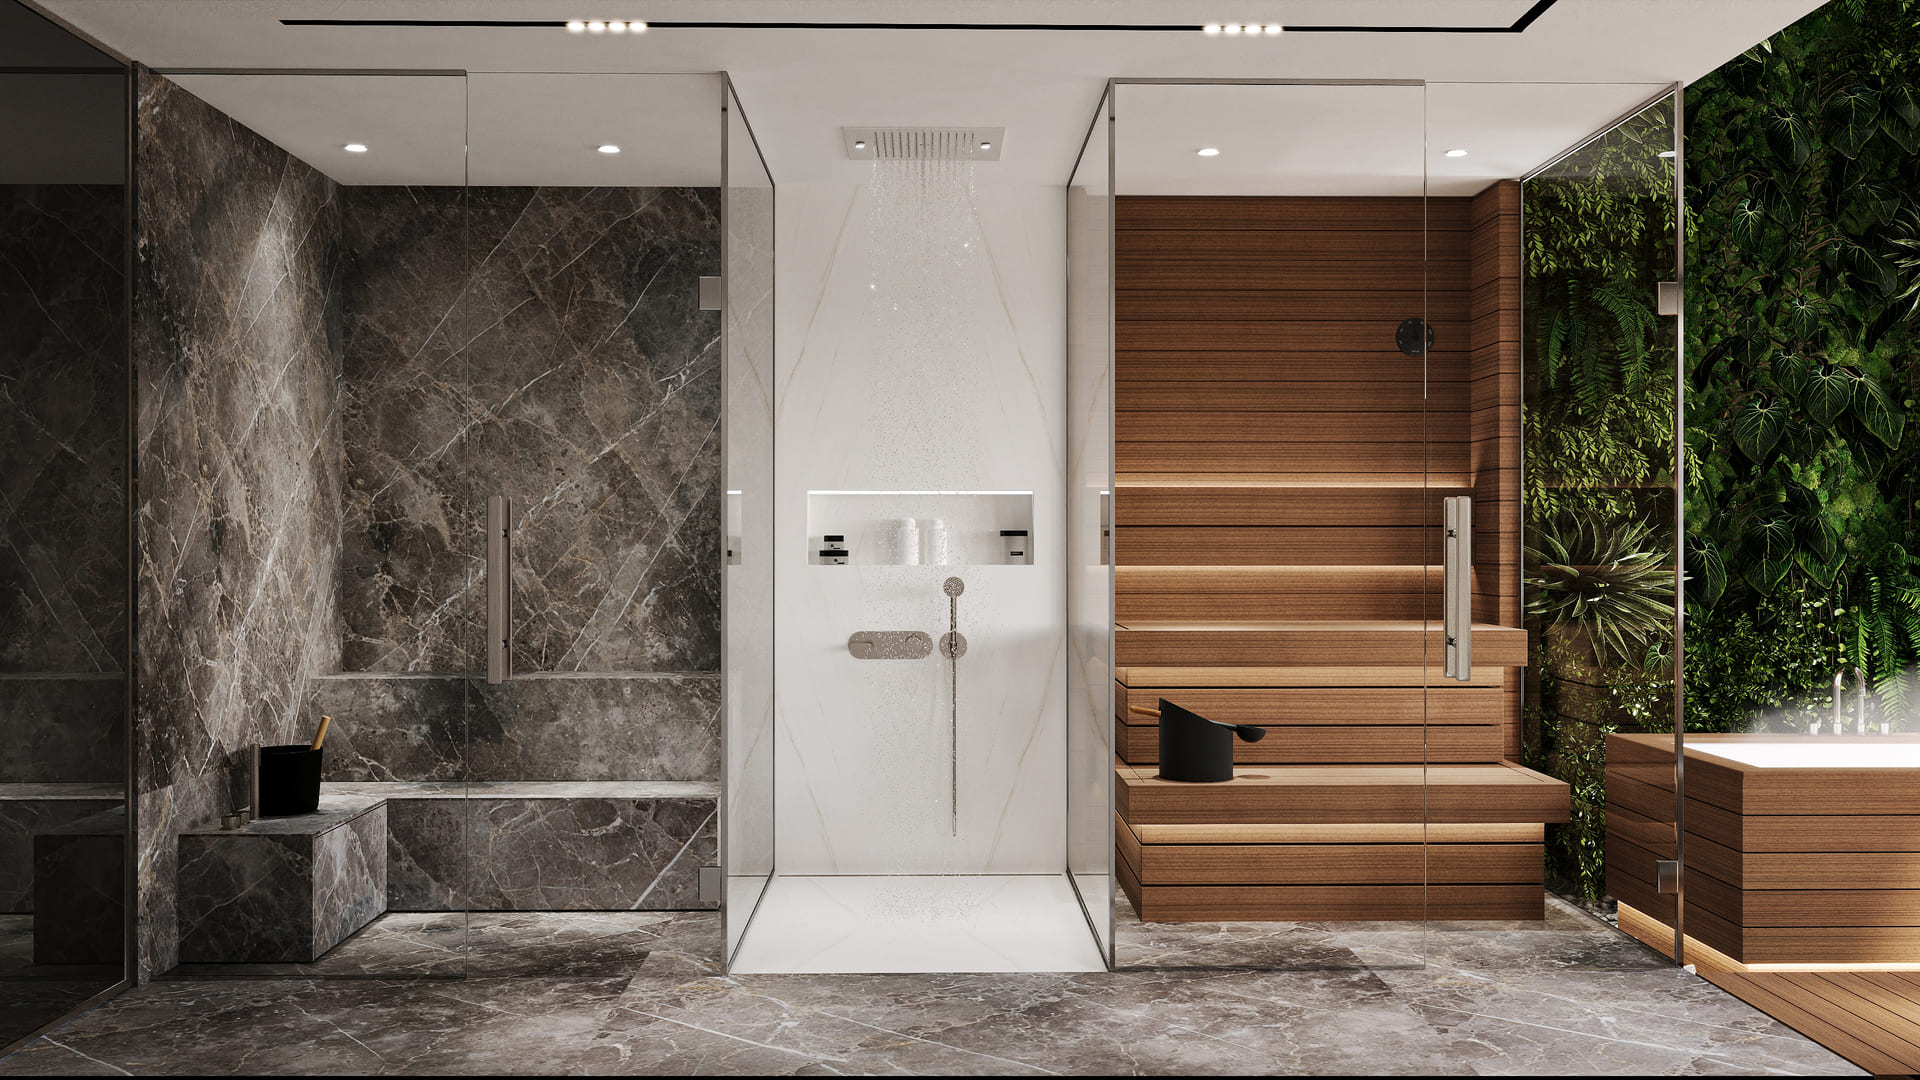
<point>1409,337</point>
<point>1195,749</point>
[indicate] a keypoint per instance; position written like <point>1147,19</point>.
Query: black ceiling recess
<point>1520,25</point>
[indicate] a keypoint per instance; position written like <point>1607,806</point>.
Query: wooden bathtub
<point>1799,849</point>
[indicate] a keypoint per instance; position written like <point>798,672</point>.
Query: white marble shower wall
<point>863,781</point>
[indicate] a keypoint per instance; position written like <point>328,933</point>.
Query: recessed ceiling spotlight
<point>608,148</point>
<point>1210,28</point>
<point>636,26</point>
<point>617,26</point>
<point>1231,29</point>
<point>985,145</point>
<point>1456,153</point>
<point>575,26</point>
<point>355,148</point>
<point>859,144</point>
<point>1208,151</point>
<point>595,26</point>
<point>1273,29</point>
<point>1668,153</point>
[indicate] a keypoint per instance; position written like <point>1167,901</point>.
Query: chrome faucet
<point>1859,700</point>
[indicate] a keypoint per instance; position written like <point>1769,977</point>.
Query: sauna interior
<point>1284,447</point>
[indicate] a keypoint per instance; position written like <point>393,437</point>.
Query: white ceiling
<point>1580,65</point>
<point>1343,140</point>
<point>518,129</point>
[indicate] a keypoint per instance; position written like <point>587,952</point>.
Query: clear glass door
<point>1292,328</point>
<point>1598,518</point>
<point>747,822</point>
<point>1091,693</point>
<point>302,445</point>
<point>593,336</point>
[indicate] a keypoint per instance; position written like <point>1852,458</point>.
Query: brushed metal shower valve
<point>890,644</point>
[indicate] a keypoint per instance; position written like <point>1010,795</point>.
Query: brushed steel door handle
<point>1456,588</point>
<point>499,588</point>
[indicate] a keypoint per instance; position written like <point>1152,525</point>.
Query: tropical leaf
<point>1757,428</point>
<point>1827,394</point>
<point>1706,572</point>
<point>1790,137</point>
<point>1851,120</point>
<point>1878,413</point>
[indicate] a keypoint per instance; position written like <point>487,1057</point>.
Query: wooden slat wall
<point>1271,322</point>
<point>1493,459</point>
<point>1276,516</point>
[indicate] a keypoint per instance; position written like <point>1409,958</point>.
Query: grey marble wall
<point>63,442</point>
<point>565,364</point>
<point>63,413</point>
<point>537,727</point>
<point>237,346</point>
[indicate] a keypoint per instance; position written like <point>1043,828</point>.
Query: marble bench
<point>283,889</point>
<point>597,845</point>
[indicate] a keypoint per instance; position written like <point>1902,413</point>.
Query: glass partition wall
<point>64,565</point>
<point>441,366</point>
<point>747,824</point>
<point>1599,514</point>
<point>1392,471</point>
<point>1090,671</point>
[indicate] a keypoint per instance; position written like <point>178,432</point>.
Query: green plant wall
<point>1802,326</point>
<point>1803,162</point>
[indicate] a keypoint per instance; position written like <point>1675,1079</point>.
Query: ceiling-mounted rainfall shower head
<point>923,144</point>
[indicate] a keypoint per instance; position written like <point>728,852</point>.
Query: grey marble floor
<point>640,993</point>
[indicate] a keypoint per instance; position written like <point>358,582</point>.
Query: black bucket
<point>289,780</point>
<point>1196,749</point>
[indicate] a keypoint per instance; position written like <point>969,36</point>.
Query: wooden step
<point>1147,676</point>
<point>1172,593</point>
<point>1330,903</point>
<point>1324,642</point>
<point>1239,454</point>
<point>1341,706</point>
<point>1334,498</point>
<point>1338,744</point>
<point>1264,545</point>
<point>1299,794</point>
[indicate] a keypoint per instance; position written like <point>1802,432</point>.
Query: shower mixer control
<point>890,645</point>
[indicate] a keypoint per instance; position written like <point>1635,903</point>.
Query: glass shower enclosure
<point>518,427</point>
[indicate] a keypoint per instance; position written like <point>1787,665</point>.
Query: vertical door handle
<point>499,588</point>
<point>1457,588</point>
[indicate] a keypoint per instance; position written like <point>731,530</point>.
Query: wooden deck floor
<point>1871,1018</point>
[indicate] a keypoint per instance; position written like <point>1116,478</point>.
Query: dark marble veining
<point>537,727</point>
<point>282,889</point>
<point>546,345</point>
<point>673,1013</point>
<point>63,409</point>
<point>237,345</point>
<point>577,852</point>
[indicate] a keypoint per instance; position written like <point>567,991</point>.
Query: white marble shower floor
<point>918,924</point>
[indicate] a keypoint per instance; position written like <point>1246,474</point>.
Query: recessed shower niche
<point>920,528</point>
